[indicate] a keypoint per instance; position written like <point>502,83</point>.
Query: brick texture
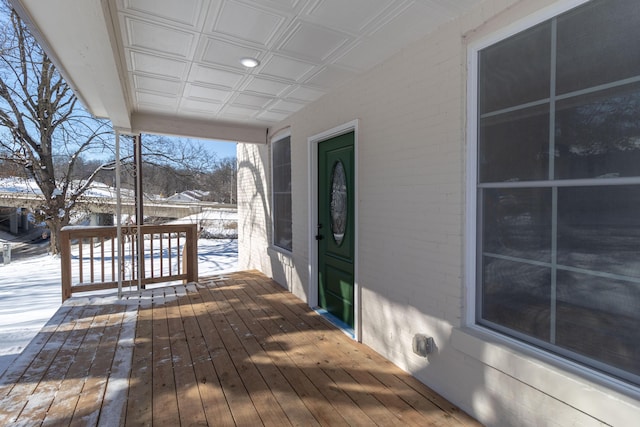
<point>412,184</point>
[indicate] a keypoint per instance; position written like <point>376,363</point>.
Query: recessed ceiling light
<point>249,62</point>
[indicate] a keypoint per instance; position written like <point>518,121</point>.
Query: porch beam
<point>82,62</point>
<point>196,128</point>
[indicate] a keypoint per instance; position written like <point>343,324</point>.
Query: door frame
<point>313,144</point>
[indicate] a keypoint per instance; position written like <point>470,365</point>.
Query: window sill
<point>582,388</point>
<point>284,256</point>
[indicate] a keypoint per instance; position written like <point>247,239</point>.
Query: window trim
<point>466,338</point>
<point>278,137</point>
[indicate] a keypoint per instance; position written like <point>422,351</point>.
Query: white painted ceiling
<point>166,61</point>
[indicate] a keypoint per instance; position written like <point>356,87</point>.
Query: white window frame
<point>278,137</point>
<point>585,388</point>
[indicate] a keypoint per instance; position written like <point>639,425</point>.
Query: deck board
<point>22,378</point>
<point>255,334</point>
<point>211,391</point>
<point>227,351</point>
<point>303,357</point>
<point>233,380</point>
<point>189,402</point>
<point>266,404</point>
<point>337,352</point>
<point>90,401</point>
<point>139,403</point>
<point>165,400</point>
<point>66,398</point>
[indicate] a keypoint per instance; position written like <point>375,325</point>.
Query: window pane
<point>599,229</point>
<point>282,220</point>
<point>517,223</point>
<point>281,175</point>
<point>561,264</point>
<point>599,318</point>
<point>516,71</point>
<point>515,146</point>
<point>598,135</point>
<point>282,165</point>
<point>517,296</point>
<point>598,43</point>
<point>282,178</point>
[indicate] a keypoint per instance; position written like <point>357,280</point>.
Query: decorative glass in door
<point>339,202</point>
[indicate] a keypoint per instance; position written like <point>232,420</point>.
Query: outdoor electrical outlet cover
<point>422,345</point>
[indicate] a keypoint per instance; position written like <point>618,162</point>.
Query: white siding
<point>412,172</point>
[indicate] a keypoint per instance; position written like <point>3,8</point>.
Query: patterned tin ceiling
<point>181,59</point>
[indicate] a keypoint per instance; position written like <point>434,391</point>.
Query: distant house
<point>188,196</point>
<point>463,170</point>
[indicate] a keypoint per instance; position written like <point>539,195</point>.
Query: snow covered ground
<point>29,186</point>
<point>30,292</point>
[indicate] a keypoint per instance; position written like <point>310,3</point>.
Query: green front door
<point>336,227</point>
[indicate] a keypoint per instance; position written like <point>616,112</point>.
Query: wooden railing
<point>89,256</point>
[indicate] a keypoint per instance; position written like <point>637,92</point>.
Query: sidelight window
<point>281,175</point>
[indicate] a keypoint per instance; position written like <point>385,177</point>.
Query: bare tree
<point>170,165</point>
<point>40,121</point>
<point>48,134</point>
<point>222,181</point>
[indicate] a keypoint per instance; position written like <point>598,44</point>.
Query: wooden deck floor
<point>240,351</point>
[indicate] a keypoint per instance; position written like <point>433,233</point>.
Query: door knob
<point>318,235</point>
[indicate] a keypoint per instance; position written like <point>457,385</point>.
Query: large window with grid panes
<point>281,179</point>
<point>558,186</point>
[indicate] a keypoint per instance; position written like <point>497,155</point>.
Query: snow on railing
<point>89,256</point>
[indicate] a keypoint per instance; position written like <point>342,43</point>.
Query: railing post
<point>65,264</point>
<point>190,257</point>
<point>141,275</point>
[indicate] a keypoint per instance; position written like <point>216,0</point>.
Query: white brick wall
<point>412,164</point>
<point>253,206</point>
<point>254,213</point>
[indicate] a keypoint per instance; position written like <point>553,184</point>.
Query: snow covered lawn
<point>30,292</point>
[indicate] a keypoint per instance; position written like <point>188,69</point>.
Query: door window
<point>339,202</point>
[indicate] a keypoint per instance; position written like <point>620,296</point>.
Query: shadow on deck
<point>238,350</point>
